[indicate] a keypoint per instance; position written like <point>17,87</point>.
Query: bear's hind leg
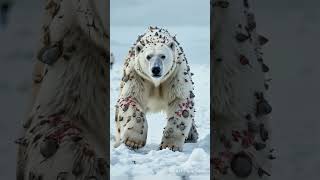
<point>193,134</point>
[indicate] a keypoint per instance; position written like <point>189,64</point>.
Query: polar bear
<point>64,136</point>
<point>156,77</point>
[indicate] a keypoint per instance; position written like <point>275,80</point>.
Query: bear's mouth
<point>156,75</point>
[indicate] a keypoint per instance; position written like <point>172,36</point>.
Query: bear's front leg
<point>131,124</point>
<point>180,116</point>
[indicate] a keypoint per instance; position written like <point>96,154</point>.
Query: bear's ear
<point>138,48</point>
<point>171,46</point>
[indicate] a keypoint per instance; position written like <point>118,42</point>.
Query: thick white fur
<point>148,94</point>
<point>71,94</point>
<point>234,90</point>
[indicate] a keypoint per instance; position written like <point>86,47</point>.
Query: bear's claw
<point>133,138</point>
<point>171,147</point>
<point>134,145</point>
<point>173,143</point>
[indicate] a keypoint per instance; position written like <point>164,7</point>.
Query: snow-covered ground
<point>195,159</point>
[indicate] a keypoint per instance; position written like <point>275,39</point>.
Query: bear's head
<point>155,55</point>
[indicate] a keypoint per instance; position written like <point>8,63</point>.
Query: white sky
<point>162,13</point>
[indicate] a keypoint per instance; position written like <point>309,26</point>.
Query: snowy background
<point>130,19</point>
<point>293,29</point>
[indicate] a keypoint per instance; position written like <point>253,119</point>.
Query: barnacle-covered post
<point>241,139</point>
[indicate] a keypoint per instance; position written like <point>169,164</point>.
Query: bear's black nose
<point>156,71</point>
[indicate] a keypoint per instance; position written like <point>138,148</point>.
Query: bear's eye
<point>162,56</point>
<point>148,57</point>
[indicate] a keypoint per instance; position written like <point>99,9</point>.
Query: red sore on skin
<point>124,103</point>
<point>247,139</point>
<point>183,106</point>
<point>65,128</point>
<point>127,102</point>
<point>218,163</point>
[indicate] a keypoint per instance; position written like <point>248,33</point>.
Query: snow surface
<point>195,158</point>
